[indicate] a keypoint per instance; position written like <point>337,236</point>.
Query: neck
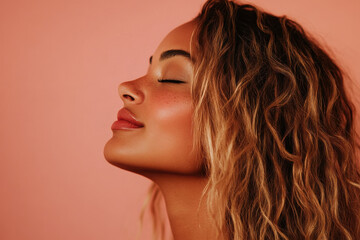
<point>182,198</point>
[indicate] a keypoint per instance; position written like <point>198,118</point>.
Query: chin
<point>113,156</point>
<point>149,165</point>
<point>108,153</point>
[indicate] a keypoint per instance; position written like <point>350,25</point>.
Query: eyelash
<point>170,81</point>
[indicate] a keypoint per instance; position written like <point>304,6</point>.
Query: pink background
<point>60,65</point>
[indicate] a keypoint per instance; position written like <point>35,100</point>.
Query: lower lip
<point>123,125</point>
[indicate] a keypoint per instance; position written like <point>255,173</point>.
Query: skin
<point>162,149</point>
<point>165,110</point>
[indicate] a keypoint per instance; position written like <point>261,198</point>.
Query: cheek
<point>170,132</point>
<point>172,110</point>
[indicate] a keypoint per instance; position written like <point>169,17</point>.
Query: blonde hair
<point>275,128</point>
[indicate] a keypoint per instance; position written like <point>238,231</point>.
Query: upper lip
<point>125,114</point>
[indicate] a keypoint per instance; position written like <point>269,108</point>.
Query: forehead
<point>178,38</point>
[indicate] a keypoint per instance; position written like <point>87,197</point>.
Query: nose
<point>130,92</point>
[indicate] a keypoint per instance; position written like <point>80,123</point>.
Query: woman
<point>243,124</point>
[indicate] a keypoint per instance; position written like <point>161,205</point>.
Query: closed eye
<point>170,81</point>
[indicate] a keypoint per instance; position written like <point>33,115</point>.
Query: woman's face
<point>164,143</point>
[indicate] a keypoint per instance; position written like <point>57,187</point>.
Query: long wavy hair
<point>275,128</point>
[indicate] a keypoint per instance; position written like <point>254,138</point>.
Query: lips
<point>126,120</point>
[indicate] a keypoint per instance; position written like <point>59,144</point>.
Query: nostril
<point>126,96</point>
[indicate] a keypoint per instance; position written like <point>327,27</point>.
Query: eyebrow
<point>172,53</point>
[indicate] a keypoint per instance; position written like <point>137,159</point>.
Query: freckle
<point>172,99</point>
<point>181,99</point>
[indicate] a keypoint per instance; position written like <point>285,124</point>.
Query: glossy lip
<point>126,120</point>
